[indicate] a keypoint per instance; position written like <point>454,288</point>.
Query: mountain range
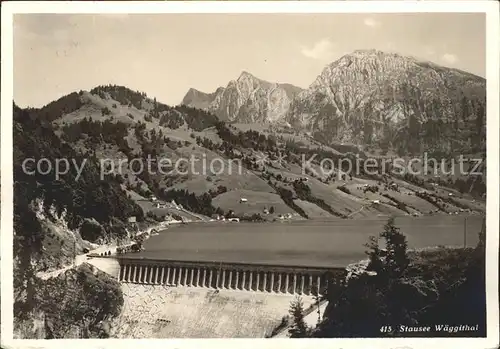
<point>367,98</point>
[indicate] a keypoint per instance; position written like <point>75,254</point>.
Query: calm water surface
<point>308,243</point>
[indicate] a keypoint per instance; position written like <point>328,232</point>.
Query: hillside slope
<point>118,126</point>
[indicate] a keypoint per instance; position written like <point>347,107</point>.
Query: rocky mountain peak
<point>248,99</point>
<point>245,75</point>
<point>251,81</point>
<point>367,65</point>
<point>365,96</point>
<point>193,93</point>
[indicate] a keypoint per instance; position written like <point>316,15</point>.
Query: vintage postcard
<point>295,174</point>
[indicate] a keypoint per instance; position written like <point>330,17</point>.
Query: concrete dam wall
<point>230,276</point>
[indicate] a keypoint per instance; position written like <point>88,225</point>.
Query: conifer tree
<point>299,328</point>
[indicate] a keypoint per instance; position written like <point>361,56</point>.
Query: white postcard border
<point>491,8</point>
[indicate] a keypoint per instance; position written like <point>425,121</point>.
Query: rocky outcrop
<point>247,100</point>
<point>371,97</point>
<point>368,98</point>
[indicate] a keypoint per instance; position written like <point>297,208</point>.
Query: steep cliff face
<point>247,100</point>
<point>78,303</point>
<point>369,98</point>
<point>388,100</point>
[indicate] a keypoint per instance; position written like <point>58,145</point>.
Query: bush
<point>196,203</point>
<point>256,217</point>
<point>91,230</point>
<point>105,111</point>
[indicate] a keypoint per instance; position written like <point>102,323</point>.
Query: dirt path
<point>83,258</point>
<point>79,259</point>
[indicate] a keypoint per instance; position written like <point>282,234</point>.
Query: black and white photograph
<point>263,174</point>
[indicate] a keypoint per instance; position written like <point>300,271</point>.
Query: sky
<point>166,54</point>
